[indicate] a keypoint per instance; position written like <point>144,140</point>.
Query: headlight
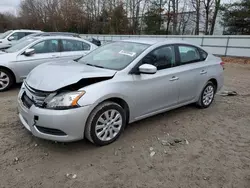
<point>65,100</point>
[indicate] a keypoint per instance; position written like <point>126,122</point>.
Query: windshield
<point>115,55</point>
<point>3,35</point>
<point>20,45</point>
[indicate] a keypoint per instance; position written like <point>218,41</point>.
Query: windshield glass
<point>20,45</point>
<point>115,55</point>
<point>3,35</point>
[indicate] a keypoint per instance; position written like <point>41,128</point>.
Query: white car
<point>12,36</point>
<point>16,62</point>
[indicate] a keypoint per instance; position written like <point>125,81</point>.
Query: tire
<point>209,91</point>
<point>6,79</point>
<point>98,124</point>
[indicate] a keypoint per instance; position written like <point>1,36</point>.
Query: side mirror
<point>29,52</point>
<point>147,69</point>
<point>11,38</point>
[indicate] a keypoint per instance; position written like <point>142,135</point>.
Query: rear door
<point>45,51</point>
<point>73,49</point>
<point>192,72</point>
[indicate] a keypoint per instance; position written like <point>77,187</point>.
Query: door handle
<point>56,56</point>
<point>203,72</point>
<point>174,78</point>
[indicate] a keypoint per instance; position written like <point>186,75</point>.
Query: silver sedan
<point>116,84</point>
<point>17,61</point>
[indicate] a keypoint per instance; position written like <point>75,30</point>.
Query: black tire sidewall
<point>202,93</point>
<point>93,135</point>
<point>10,78</point>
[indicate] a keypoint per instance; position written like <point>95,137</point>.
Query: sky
<point>12,5</point>
<point>9,5</point>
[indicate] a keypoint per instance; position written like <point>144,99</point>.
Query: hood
<point>53,76</point>
<point>4,46</point>
<point>5,58</point>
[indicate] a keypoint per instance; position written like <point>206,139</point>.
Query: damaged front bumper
<point>57,125</point>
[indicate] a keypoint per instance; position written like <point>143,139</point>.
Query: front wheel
<point>207,95</point>
<point>105,124</point>
<point>6,80</point>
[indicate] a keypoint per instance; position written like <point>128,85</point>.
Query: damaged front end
<point>61,99</point>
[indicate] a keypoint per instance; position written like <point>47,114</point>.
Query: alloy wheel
<point>4,80</point>
<point>208,95</point>
<point>108,125</point>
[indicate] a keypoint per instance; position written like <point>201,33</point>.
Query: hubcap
<point>108,125</point>
<point>4,80</point>
<point>208,95</point>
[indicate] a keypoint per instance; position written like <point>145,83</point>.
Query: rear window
<point>189,54</point>
<point>203,54</point>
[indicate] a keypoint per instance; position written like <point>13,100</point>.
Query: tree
<point>236,18</point>
<point>119,20</point>
<point>7,21</point>
<point>216,9</point>
<point>169,17</point>
<point>115,16</point>
<point>208,10</point>
<point>197,7</point>
<point>153,20</point>
<point>175,4</point>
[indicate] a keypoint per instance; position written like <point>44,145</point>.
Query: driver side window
<point>47,46</point>
<point>162,58</point>
<point>17,35</point>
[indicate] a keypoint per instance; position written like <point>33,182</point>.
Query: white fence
<point>219,45</point>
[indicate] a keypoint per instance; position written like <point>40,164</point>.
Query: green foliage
<point>236,18</point>
<point>119,20</point>
<point>153,21</point>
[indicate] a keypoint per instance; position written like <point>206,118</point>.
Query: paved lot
<point>217,153</point>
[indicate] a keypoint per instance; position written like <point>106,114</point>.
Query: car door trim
<point>35,59</point>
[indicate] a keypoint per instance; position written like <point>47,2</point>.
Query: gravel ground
<point>212,149</point>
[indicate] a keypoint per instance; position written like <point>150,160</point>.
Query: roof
<point>27,30</point>
<point>61,37</point>
<point>152,41</point>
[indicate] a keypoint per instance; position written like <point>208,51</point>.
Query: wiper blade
<point>77,59</point>
<point>98,66</point>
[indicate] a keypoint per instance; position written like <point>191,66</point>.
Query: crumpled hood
<point>53,76</point>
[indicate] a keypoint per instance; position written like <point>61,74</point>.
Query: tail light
<point>223,65</point>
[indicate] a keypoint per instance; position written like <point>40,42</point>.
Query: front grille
<point>26,101</point>
<point>37,97</point>
<point>51,131</point>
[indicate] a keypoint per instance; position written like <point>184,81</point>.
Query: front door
<point>45,51</point>
<point>155,92</point>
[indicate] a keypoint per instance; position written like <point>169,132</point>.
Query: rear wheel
<point>105,124</point>
<point>6,80</point>
<point>207,95</point>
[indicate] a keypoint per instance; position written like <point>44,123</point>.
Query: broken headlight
<point>65,100</point>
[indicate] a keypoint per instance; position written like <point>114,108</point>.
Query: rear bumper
<point>56,125</point>
<point>220,82</point>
